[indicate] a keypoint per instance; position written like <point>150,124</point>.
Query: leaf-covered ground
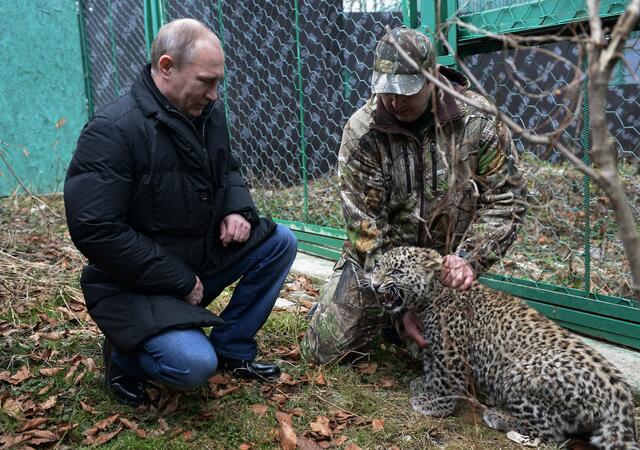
<point>51,384</point>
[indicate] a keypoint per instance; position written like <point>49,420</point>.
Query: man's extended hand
<point>456,273</point>
<point>195,296</point>
<point>413,328</point>
<point>234,228</point>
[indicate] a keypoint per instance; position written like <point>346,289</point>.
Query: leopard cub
<point>540,380</point>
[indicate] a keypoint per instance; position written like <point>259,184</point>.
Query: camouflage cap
<point>392,74</point>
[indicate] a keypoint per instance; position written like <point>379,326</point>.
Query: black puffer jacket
<point>145,193</point>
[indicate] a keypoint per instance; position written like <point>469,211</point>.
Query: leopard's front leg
<point>444,381</point>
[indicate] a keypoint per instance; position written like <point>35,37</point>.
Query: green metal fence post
<point>410,13</point>
<point>86,65</point>
<point>303,144</point>
<point>429,18</point>
<point>154,18</point>
<point>586,180</point>
<point>448,9</point>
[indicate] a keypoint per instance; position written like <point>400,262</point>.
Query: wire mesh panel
<point>563,234</point>
<point>472,6</point>
<point>117,51</point>
<point>293,78</point>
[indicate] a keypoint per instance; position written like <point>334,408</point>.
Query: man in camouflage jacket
<point>417,167</point>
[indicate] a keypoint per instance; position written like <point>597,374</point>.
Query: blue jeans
<point>185,359</point>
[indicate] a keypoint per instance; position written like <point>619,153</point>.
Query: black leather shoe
<point>126,389</point>
<point>248,370</point>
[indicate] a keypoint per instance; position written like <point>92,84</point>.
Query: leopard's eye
<point>396,272</point>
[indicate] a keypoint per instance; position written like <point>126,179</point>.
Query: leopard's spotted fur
<point>541,380</point>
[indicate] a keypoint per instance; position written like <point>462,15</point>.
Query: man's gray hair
<point>178,39</point>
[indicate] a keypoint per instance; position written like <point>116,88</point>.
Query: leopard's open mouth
<point>391,301</point>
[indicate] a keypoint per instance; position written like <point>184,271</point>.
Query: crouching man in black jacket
<point>156,202</point>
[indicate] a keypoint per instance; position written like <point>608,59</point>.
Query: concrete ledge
<point>318,269</point>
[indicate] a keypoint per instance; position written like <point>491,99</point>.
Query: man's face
<point>407,108</point>
<point>195,84</point>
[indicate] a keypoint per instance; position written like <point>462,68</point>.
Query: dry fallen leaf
<point>188,436</point>
<point>72,370</point>
<point>278,398</point>
<point>320,379</point>
<point>259,410</point>
<point>44,390</point>
<point>49,403</point>
<point>307,444</point>
<point>102,425</point>
<point>53,336</point>
<point>13,441</point>
<point>171,405</point>
<point>352,446</point>
<point>33,423</point>
<point>11,408</point>
<point>366,367</point>
<point>87,408</point>
<point>39,437</point>
<point>134,427</point>
<point>285,378</point>
<point>288,438</point>
<point>339,441</point>
<point>50,371</point>
<point>102,438</point>
<point>377,425</point>
<point>91,364</point>
<point>321,426</point>
<point>244,447</point>
<point>22,374</point>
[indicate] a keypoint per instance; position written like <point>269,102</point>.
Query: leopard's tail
<point>617,428</point>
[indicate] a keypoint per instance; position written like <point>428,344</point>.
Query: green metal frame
<point>303,141</point>
<point>86,65</point>
<point>535,15</point>
<point>154,17</point>
<point>616,319</point>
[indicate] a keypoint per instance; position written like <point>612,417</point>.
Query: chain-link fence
<point>570,227</point>
<point>116,46</point>
<point>294,76</point>
<point>296,71</point>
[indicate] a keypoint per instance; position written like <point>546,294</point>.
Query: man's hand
<point>456,273</point>
<point>234,228</point>
<point>195,296</point>
<point>413,328</point>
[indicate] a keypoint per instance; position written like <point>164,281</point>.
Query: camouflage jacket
<point>454,185</point>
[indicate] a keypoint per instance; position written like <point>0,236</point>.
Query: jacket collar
<point>446,105</point>
<point>153,103</point>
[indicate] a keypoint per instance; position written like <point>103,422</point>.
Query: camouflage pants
<point>345,320</point>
